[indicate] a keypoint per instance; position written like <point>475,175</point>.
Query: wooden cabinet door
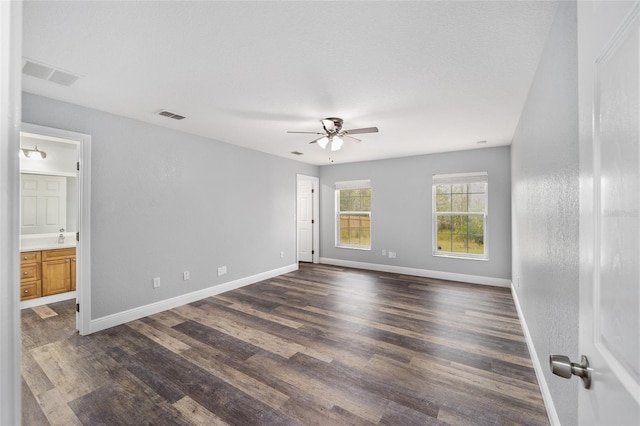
<point>56,276</point>
<point>73,274</point>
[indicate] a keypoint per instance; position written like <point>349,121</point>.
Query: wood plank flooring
<point>319,346</point>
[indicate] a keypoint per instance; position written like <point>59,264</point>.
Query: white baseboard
<point>451,276</point>
<point>153,308</point>
<point>537,367</point>
<point>47,299</point>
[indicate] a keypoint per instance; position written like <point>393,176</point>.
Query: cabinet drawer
<point>64,253</point>
<point>30,290</point>
<point>30,257</point>
<point>30,272</point>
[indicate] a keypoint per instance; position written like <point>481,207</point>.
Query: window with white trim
<point>460,215</point>
<point>353,214</point>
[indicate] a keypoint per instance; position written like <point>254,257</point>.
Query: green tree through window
<point>460,212</point>
<point>353,221</point>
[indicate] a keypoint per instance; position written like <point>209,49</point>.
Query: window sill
<point>460,256</point>
<point>354,248</point>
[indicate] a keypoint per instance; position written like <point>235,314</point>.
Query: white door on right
<point>609,93</point>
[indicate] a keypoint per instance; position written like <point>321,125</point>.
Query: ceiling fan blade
<point>356,140</point>
<point>363,130</point>
<point>310,133</point>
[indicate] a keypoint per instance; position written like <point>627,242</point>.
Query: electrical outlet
<point>222,270</point>
<point>185,275</point>
<point>392,255</point>
<point>384,252</point>
<point>156,282</point>
<point>518,281</point>
<point>281,255</point>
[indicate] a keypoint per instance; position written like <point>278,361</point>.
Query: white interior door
<point>307,218</point>
<point>43,204</point>
<point>609,91</point>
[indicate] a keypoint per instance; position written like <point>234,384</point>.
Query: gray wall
<point>401,210</point>
<point>544,164</point>
<point>164,202</point>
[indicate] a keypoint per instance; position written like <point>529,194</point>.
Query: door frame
<point>10,113</point>
<point>315,228</point>
<point>83,249</point>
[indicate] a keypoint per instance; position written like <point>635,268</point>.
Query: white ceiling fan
<point>333,134</point>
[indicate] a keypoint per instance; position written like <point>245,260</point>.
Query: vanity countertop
<point>46,242</point>
<point>46,246</point>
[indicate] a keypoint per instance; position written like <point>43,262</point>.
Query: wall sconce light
<point>32,154</point>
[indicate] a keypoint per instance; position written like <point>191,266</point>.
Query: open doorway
<point>55,219</point>
<point>308,225</point>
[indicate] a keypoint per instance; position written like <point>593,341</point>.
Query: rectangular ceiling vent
<point>49,73</point>
<point>170,114</point>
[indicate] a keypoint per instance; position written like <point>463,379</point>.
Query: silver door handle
<point>562,366</point>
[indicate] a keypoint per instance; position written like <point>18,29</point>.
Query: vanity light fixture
<point>33,154</point>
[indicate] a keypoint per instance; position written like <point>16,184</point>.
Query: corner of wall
<point>545,212</point>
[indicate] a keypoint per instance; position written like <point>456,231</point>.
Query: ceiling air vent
<point>46,72</point>
<point>63,78</point>
<point>170,114</point>
<point>296,153</point>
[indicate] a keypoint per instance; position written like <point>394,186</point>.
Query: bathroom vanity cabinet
<point>30,275</point>
<point>47,272</point>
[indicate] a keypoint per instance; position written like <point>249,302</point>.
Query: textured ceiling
<point>432,76</point>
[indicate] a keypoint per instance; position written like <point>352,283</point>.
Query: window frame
<point>345,186</point>
<point>460,178</point>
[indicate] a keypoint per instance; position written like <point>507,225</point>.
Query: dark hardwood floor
<point>319,346</point>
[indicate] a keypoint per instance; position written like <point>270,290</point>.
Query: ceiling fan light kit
<point>323,141</point>
<point>336,143</point>
<point>334,135</point>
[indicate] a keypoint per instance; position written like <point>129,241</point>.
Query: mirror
<point>49,186</point>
